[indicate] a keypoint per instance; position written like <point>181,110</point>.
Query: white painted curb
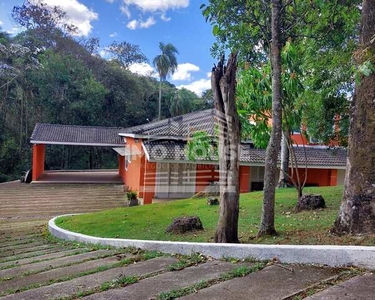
<point>359,256</point>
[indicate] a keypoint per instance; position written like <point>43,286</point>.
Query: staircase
<point>24,201</point>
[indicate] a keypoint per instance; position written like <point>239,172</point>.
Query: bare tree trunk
<point>159,110</point>
<point>267,224</point>
<point>223,81</point>
<point>284,168</point>
<point>357,213</point>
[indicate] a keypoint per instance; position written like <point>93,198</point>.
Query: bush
<point>4,178</point>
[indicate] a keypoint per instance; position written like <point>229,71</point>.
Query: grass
<point>149,222</point>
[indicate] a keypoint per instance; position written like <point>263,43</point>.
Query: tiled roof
<point>77,135</point>
<point>181,126</point>
<point>316,156</point>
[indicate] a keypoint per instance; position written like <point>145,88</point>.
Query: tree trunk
<point>223,81</point>
<point>267,225</point>
<point>159,110</point>
<point>284,168</point>
<point>357,212</point>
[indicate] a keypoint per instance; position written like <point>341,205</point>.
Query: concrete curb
<point>335,256</point>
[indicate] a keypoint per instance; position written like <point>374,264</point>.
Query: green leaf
<point>215,30</point>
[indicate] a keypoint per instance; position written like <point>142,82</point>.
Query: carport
<point>72,135</point>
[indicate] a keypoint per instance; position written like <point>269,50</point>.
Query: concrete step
<point>15,252</point>
<point>149,288</point>
<point>45,277</point>
<point>93,281</point>
<point>31,254</point>
<point>54,263</point>
<point>45,257</point>
<point>272,283</point>
<point>361,287</point>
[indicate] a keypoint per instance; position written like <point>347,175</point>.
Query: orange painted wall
<point>204,175</point>
<point>39,153</point>
<point>149,182</point>
<point>244,179</point>
<point>299,139</point>
<point>318,177</point>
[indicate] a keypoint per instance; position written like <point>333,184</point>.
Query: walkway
<point>97,177</point>
<point>35,266</point>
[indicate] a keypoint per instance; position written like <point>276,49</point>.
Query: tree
<point>127,54</point>
<point>357,213</point>
<point>254,93</point>
<point>165,63</point>
<point>223,83</point>
<point>182,102</point>
<point>258,33</point>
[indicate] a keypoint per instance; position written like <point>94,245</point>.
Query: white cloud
<point>76,13</point>
<point>125,10</point>
<point>148,23</point>
<point>198,86</point>
<point>134,24</point>
<point>113,34</point>
<point>14,30</point>
<point>110,1</point>
<point>164,17</point>
<point>1,23</point>
<point>142,69</point>
<point>104,53</point>
<point>183,71</point>
<point>157,5</point>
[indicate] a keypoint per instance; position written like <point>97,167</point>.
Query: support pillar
<point>149,182</point>
<point>121,167</point>
<point>244,179</point>
<point>39,152</point>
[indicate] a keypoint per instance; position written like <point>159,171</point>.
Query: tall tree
<point>223,83</point>
<point>165,63</point>
<point>267,224</point>
<point>126,54</point>
<point>252,29</point>
<point>357,214</point>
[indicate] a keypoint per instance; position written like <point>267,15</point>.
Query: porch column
<point>149,182</point>
<point>244,179</point>
<point>332,180</point>
<point>121,167</point>
<point>39,153</point>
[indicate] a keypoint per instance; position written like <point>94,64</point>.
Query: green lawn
<point>150,221</point>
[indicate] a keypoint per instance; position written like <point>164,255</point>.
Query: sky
<point>144,23</point>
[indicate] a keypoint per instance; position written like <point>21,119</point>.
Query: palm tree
<point>165,63</point>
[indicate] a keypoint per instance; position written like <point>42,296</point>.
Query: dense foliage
<point>48,76</point>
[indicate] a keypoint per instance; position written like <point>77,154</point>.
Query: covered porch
<point>70,135</point>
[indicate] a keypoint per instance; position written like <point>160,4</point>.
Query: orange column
<point>121,167</point>
<point>244,179</point>
<point>332,178</point>
<point>39,152</point>
<point>149,182</point>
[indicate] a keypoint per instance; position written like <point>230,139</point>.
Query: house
<point>152,157</point>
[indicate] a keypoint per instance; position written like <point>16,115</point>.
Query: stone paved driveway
<point>35,266</point>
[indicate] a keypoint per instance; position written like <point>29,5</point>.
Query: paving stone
<point>45,277</point>
<point>89,282</point>
<point>45,257</point>
<point>358,288</point>
<point>271,283</point>
<point>151,287</point>
<point>54,263</point>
